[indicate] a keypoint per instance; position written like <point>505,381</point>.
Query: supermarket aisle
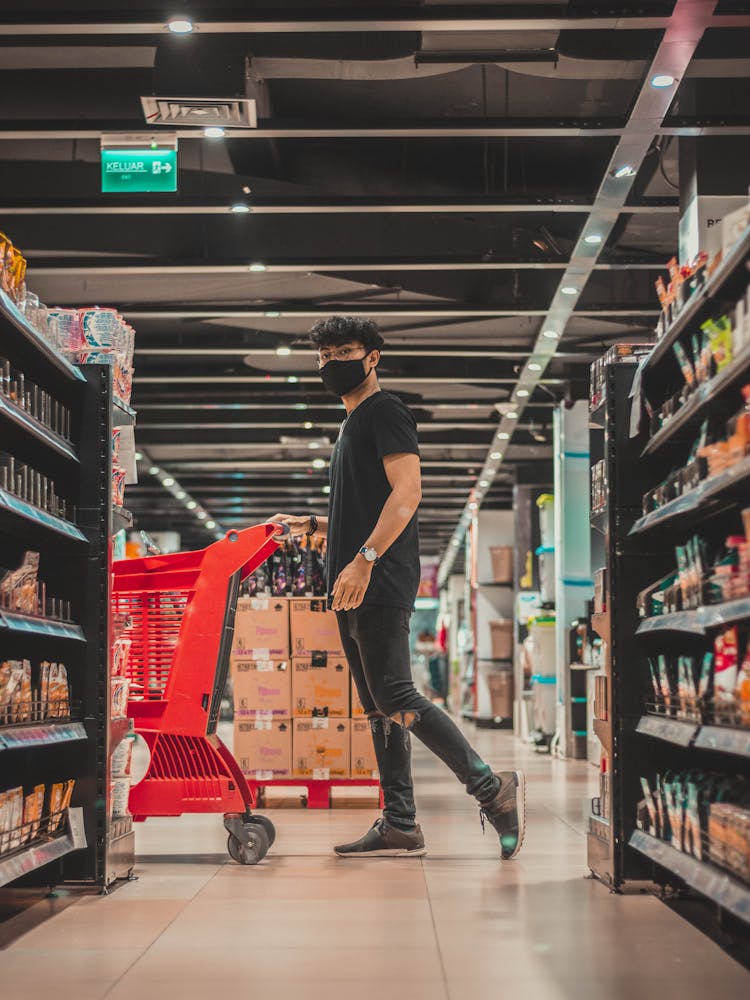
<point>453,926</point>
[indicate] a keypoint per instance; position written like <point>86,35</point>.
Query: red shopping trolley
<point>180,612</point>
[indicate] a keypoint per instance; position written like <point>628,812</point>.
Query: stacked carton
<point>296,714</point>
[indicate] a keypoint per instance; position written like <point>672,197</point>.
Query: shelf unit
<point>646,744</point>
<point>75,565</point>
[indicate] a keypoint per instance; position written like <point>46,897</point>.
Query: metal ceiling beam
<point>365,19</point>
<point>339,206</point>
<point>436,352</point>
<point>177,379</point>
<point>688,21</point>
<point>377,310</point>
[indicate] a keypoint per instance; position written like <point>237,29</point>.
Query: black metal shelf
<point>41,734</point>
<point>722,739</point>
<point>10,311</point>
<point>677,731</point>
<point>724,272</point>
<point>700,401</point>
<point>12,504</point>
<point>710,493</point>
<point>122,414</point>
<point>711,882</point>
<point>12,621</point>
<point>122,519</point>
<point>699,620</point>
<point>35,856</point>
<point>20,418</point>
<point>598,519</point>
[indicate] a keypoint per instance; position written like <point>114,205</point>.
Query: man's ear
<point>374,355</point>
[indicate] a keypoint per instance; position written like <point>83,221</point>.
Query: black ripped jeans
<point>376,643</point>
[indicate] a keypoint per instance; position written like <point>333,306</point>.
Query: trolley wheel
<point>251,852</point>
<point>265,824</point>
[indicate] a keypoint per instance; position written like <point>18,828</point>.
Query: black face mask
<point>342,377</point>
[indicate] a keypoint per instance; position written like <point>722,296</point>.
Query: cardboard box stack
<point>296,714</point>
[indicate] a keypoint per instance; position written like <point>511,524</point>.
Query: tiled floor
<point>455,925</point>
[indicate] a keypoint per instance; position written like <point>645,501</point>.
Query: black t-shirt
<point>381,425</point>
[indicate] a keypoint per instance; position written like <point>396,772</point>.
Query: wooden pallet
<point>318,792</point>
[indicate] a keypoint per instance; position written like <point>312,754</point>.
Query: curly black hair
<point>337,330</point>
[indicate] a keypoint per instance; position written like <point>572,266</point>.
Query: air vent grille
<point>201,112</point>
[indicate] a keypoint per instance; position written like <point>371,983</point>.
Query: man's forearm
<point>397,511</point>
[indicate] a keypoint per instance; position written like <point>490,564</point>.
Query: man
<point>373,576</point>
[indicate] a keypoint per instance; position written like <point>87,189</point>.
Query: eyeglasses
<point>337,354</point>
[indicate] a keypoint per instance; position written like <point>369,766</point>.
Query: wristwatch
<point>370,555</point>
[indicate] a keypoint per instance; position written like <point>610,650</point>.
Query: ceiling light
<point>522,393</point>
<point>139,456</point>
<point>473,505</point>
<point>180,26</point>
<point>496,456</point>
<point>313,444</point>
<point>240,208</point>
<point>300,406</point>
<point>257,268</point>
<point>210,524</point>
<point>511,415</point>
<point>214,132</point>
<point>319,463</point>
<point>283,352</point>
<point>455,541</point>
<point>168,481</point>
<point>484,483</point>
<point>569,290</point>
<point>154,470</point>
<point>201,515</point>
<point>593,239</point>
<point>308,425</point>
<point>662,80</point>
<point>180,494</point>
<point>624,171</point>
<point>191,505</point>
<point>272,314</point>
<point>503,435</point>
<point>534,366</point>
<point>292,378</point>
<point>551,334</point>
<point>326,489</point>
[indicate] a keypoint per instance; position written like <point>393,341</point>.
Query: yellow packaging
<point>321,748</point>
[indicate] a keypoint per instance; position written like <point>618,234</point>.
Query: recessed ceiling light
<point>180,494</point>
<point>300,406</point>
<point>154,470</point>
<point>201,515</point>
<point>210,524</point>
<point>257,268</point>
<point>240,208</point>
<point>168,481</point>
<point>569,290</point>
<point>534,366</point>
<point>455,541</point>
<point>624,171</point>
<point>313,444</point>
<point>283,352</point>
<point>180,26</point>
<point>292,378</point>
<point>318,463</point>
<point>484,483</point>
<point>326,489</point>
<point>214,132</point>
<point>522,393</point>
<point>551,334</point>
<point>496,456</point>
<point>191,505</point>
<point>308,425</point>
<point>511,415</point>
<point>593,239</point>
<point>272,314</point>
<point>662,80</point>
<point>503,435</point>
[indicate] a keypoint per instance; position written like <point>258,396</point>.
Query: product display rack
<point>625,562</point>
<point>74,565</point>
<point>654,739</point>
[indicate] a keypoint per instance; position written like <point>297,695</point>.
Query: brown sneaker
<point>506,813</point>
<point>384,841</point>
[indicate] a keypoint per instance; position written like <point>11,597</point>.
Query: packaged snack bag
<point>56,794</point>
<point>33,807</point>
<point>15,806</point>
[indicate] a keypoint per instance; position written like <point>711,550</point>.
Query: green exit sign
<point>137,170</point>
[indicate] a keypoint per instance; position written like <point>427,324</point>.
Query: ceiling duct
<point>202,112</point>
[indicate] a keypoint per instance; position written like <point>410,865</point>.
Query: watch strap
<point>365,549</point>
<point>313,526</point>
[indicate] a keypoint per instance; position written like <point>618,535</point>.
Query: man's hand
<point>351,585</point>
<point>297,525</point>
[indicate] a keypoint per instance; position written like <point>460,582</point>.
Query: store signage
<point>138,170</point>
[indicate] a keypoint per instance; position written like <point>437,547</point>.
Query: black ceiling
<point>431,165</point>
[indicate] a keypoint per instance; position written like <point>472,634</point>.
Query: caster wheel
<point>253,851</point>
<point>266,825</point>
